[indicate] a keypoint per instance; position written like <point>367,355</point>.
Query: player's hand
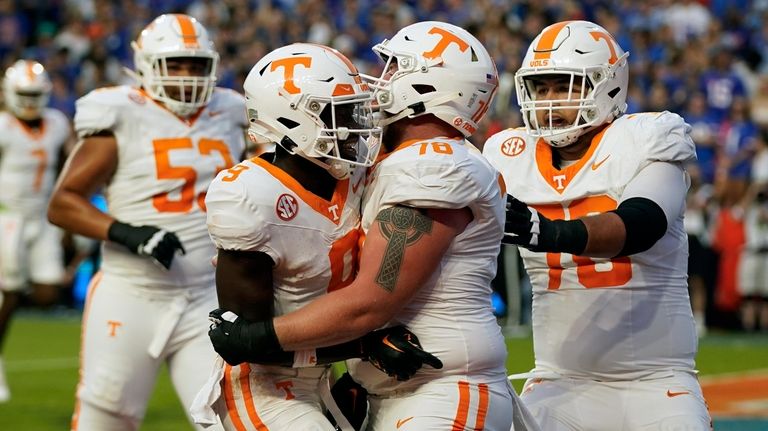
<point>525,226</point>
<point>159,244</point>
<point>397,352</point>
<point>237,340</point>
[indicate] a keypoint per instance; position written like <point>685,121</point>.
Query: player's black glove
<point>397,352</point>
<point>237,340</point>
<point>159,244</point>
<point>527,228</point>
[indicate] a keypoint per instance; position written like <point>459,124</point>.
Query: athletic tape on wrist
<point>304,358</point>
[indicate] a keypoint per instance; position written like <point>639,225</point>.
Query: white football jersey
<point>313,242</point>
<point>620,318</point>
<point>165,166</point>
<point>28,161</point>
<point>451,314</point>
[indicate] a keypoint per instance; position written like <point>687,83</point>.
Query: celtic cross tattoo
<point>401,226</point>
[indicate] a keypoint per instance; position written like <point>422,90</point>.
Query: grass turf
<point>41,364</point>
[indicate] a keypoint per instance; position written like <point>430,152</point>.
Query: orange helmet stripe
<point>30,70</point>
<point>543,49</point>
<point>188,33</point>
<point>352,69</point>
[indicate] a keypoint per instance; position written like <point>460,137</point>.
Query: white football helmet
<point>27,89</point>
<point>173,36</point>
<point>309,99</point>
<point>590,57</point>
<point>435,68</point>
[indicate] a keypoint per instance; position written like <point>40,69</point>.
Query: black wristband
<point>262,337</point>
<point>568,236</point>
<point>119,232</point>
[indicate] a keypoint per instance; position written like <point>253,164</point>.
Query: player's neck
<point>577,150</point>
<point>34,123</point>
<point>311,176</point>
<point>423,127</point>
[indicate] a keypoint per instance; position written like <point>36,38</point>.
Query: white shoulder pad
<point>665,136</point>
<point>235,221</point>
<point>101,109</point>
<point>232,103</point>
<point>432,180</point>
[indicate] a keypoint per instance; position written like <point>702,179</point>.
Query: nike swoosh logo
<point>675,394</point>
<point>401,422</point>
<point>357,186</point>
<point>385,341</point>
<point>214,113</point>
<point>596,165</point>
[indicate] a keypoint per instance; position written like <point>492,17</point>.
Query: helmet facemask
<point>183,95</point>
<point>159,53</point>
<point>582,54</point>
<point>591,82</point>
<point>347,138</point>
<point>344,135</point>
<point>310,100</point>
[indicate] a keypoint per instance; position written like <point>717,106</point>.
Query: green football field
<point>41,364</point>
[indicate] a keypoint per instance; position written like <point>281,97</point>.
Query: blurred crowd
<point>706,60</point>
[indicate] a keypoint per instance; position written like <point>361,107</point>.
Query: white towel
<point>167,325</point>
<point>202,407</point>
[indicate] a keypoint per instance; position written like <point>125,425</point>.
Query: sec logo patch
<point>513,146</point>
<point>287,207</point>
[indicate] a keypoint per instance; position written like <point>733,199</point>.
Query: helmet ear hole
<point>288,123</point>
<point>423,88</point>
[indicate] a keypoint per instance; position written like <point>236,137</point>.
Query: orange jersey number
<point>165,171</point>
<point>437,147</point>
<point>591,274</point>
<point>343,257</point>
<point>42,158</point>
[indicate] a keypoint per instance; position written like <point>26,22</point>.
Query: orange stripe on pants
<point>229,399</point>
<point>463,410</point>
<point>95,280</point>
<point>250,407</point>
<point>482,407</point>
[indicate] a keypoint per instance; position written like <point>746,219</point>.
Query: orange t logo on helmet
<point>597,35</point>
<point>446,38</point>
<point>289,64</point>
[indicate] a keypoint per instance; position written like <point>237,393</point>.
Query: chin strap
<point>418,108</point>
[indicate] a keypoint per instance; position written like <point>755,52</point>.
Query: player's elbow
<point>54,210</point>
<point>645,224</point>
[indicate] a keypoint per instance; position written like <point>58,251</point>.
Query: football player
<point>287,228</point>
<point>32,144</point>
<point>433,213</point>
<point>154,149</point>
<point>596,202</point>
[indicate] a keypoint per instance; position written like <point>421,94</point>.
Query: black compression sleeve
<point>644,222</point>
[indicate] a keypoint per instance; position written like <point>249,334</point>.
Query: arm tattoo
<point>401,226</point>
